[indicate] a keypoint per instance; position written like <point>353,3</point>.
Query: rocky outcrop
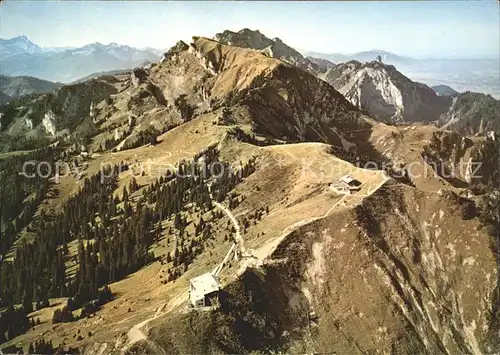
<point>138,76</point>
<point>472,113</point>
<point>49,123</point>
<point>389,96</point>
<point>63,109</point>
<point>386,94</point>
<point>179,47</point>
<point>457,158</point>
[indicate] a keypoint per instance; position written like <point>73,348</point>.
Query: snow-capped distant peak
<point>18,45</point>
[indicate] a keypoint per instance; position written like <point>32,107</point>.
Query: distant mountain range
<point>18,45</point>
<point>21,57</point>
<point>103,73</point>
<point>365,56</point>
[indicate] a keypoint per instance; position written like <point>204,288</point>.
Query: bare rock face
<point>48,123</point>
<point>444,90</point>
<point>387,94</point>
<point>138,76</point>
<point>472,113</point>
<point>475,161</point>
<point>62,109</point>
<point>324,63</point>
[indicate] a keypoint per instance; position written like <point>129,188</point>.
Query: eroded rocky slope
<point>400,268</point>
<point>38,118</point>
<point>386,93</point>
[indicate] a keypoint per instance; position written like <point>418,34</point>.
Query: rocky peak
<point>18,45</point>
<point>387,94</point>
<point>179,47</point>
<point>274,48</point>
<point>444,90</point>
<point>245,38</point>
<point>247,31</point>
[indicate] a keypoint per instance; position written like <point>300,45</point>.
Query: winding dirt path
<point>239,239</point>
<point>136,333</point>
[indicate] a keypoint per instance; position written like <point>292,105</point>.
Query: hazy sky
<point>438,29</point>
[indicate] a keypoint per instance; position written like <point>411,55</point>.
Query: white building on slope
<point>204,290</point>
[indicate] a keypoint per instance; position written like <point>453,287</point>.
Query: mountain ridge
<point>386,93</point>
<point>372,84</point>
<point>390,96</point>
<point>16,87</point>
<point>17,45</point>
<point>464,74</point>
<point>275,48</point>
